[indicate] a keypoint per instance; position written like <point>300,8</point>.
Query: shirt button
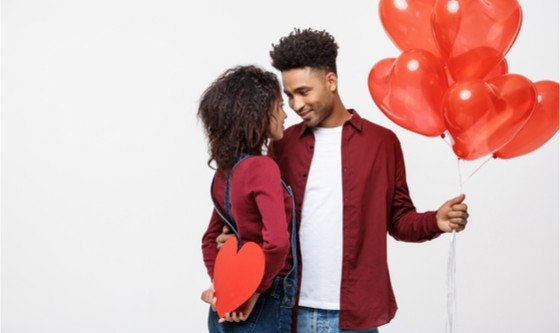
<point>311,147</point>
<point>345,169</point>
<point>304,175</point>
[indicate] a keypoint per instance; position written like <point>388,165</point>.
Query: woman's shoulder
<point>259,163</point>
<point>257,171</point>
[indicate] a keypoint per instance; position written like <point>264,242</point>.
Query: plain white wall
<point>105,183</point>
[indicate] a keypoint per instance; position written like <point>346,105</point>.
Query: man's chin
<point>311,122</point>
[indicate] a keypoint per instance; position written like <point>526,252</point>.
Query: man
<point>349,182</point>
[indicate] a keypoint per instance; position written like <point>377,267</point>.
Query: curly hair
<point>236,110</point>
<point>302,48</point>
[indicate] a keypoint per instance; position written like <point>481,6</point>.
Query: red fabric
<point>375,201</point>
<point>261,209</point>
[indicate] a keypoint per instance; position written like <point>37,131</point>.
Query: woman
<point>241,111</point>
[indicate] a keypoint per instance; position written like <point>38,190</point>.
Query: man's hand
<point>242,312</point>
<point>207,296</point>
<point>224,236</point>
<point>453,215</point>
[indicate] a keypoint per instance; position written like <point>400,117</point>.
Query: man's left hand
<point>453,215</point>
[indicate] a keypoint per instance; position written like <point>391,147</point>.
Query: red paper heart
<point>237,275</point>
<point>484,116</point>
<point>409,91</point>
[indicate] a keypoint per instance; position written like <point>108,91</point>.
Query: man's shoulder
<point>378,131</point>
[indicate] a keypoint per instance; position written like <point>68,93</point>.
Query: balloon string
<point>474,172</point>
<point>451,261</point>
<point>444,138</point>
<point>451,292</point>
<point>451,270</point>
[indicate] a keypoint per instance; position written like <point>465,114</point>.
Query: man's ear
<point>332,81</point>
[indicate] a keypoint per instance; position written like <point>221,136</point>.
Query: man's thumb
<point>457,200</point>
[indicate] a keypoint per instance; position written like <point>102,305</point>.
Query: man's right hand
<point>224,236</point>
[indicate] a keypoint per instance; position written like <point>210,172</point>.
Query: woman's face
<point>277,120</point>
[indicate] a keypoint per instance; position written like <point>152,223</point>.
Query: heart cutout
<point>483,116</point>
<point>237,274</point>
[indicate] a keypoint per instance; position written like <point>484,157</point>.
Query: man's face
<point>310,94</point>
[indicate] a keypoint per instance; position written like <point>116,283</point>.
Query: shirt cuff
<point>431,225</point>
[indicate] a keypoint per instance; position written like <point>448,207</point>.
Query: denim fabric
<point>322,321</point>
<point>272,312</point>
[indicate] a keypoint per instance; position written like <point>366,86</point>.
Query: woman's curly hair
<point>236,110</point>
<point>302,48</point>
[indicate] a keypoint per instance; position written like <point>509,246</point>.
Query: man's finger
<point>225,229</point>
<point>457,200</point>
<point>462,207</point>
<point>456,214</point>
<point>458,221</point>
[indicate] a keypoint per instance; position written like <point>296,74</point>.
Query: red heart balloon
<point>500,69</point>
<point>542,125</point>
<point>409,90</point>
<point>484,116</point>
<point>474,35</point>
<point>237,275</point>
<point>408,24</point>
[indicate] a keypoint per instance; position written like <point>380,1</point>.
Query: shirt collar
<point>355,122</point>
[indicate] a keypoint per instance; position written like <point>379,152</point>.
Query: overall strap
<point>227,217</point>
<point>293,237</point>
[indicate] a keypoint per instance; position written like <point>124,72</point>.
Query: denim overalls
<point>273,310</point>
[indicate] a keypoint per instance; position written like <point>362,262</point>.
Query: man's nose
<point>297,104</point>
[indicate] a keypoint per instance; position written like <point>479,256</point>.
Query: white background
<point>105,184</point>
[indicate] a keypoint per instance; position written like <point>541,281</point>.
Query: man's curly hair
<point>302,48</point>
<point>236,110</point>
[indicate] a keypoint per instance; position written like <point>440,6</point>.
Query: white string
<point>451,270</point>
<point>451,291</point>
<point>475,171</point>
<point>451,261</point>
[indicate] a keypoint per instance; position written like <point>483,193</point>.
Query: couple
<point>347,189</point>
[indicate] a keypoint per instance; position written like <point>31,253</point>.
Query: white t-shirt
<point>321,224</point>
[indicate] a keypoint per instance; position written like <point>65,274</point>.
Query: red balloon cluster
<point>452,76</point>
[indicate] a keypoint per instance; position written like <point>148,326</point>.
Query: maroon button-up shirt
<point>375,201</point>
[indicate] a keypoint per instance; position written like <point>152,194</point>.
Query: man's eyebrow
<point>298,90</point>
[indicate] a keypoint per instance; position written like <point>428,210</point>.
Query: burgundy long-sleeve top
<point>262,210</point>
<point>376,201</point>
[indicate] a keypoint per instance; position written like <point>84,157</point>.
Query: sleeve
<point>266,187</point>
<point>406,224</point>
<point>209,246</point>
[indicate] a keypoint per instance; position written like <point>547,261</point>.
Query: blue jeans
<point>272,312</point>
<point>322,321</point>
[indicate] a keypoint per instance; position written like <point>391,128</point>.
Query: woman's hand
<point>207,296</point>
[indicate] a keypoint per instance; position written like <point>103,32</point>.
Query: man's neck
<point>338,116</point>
